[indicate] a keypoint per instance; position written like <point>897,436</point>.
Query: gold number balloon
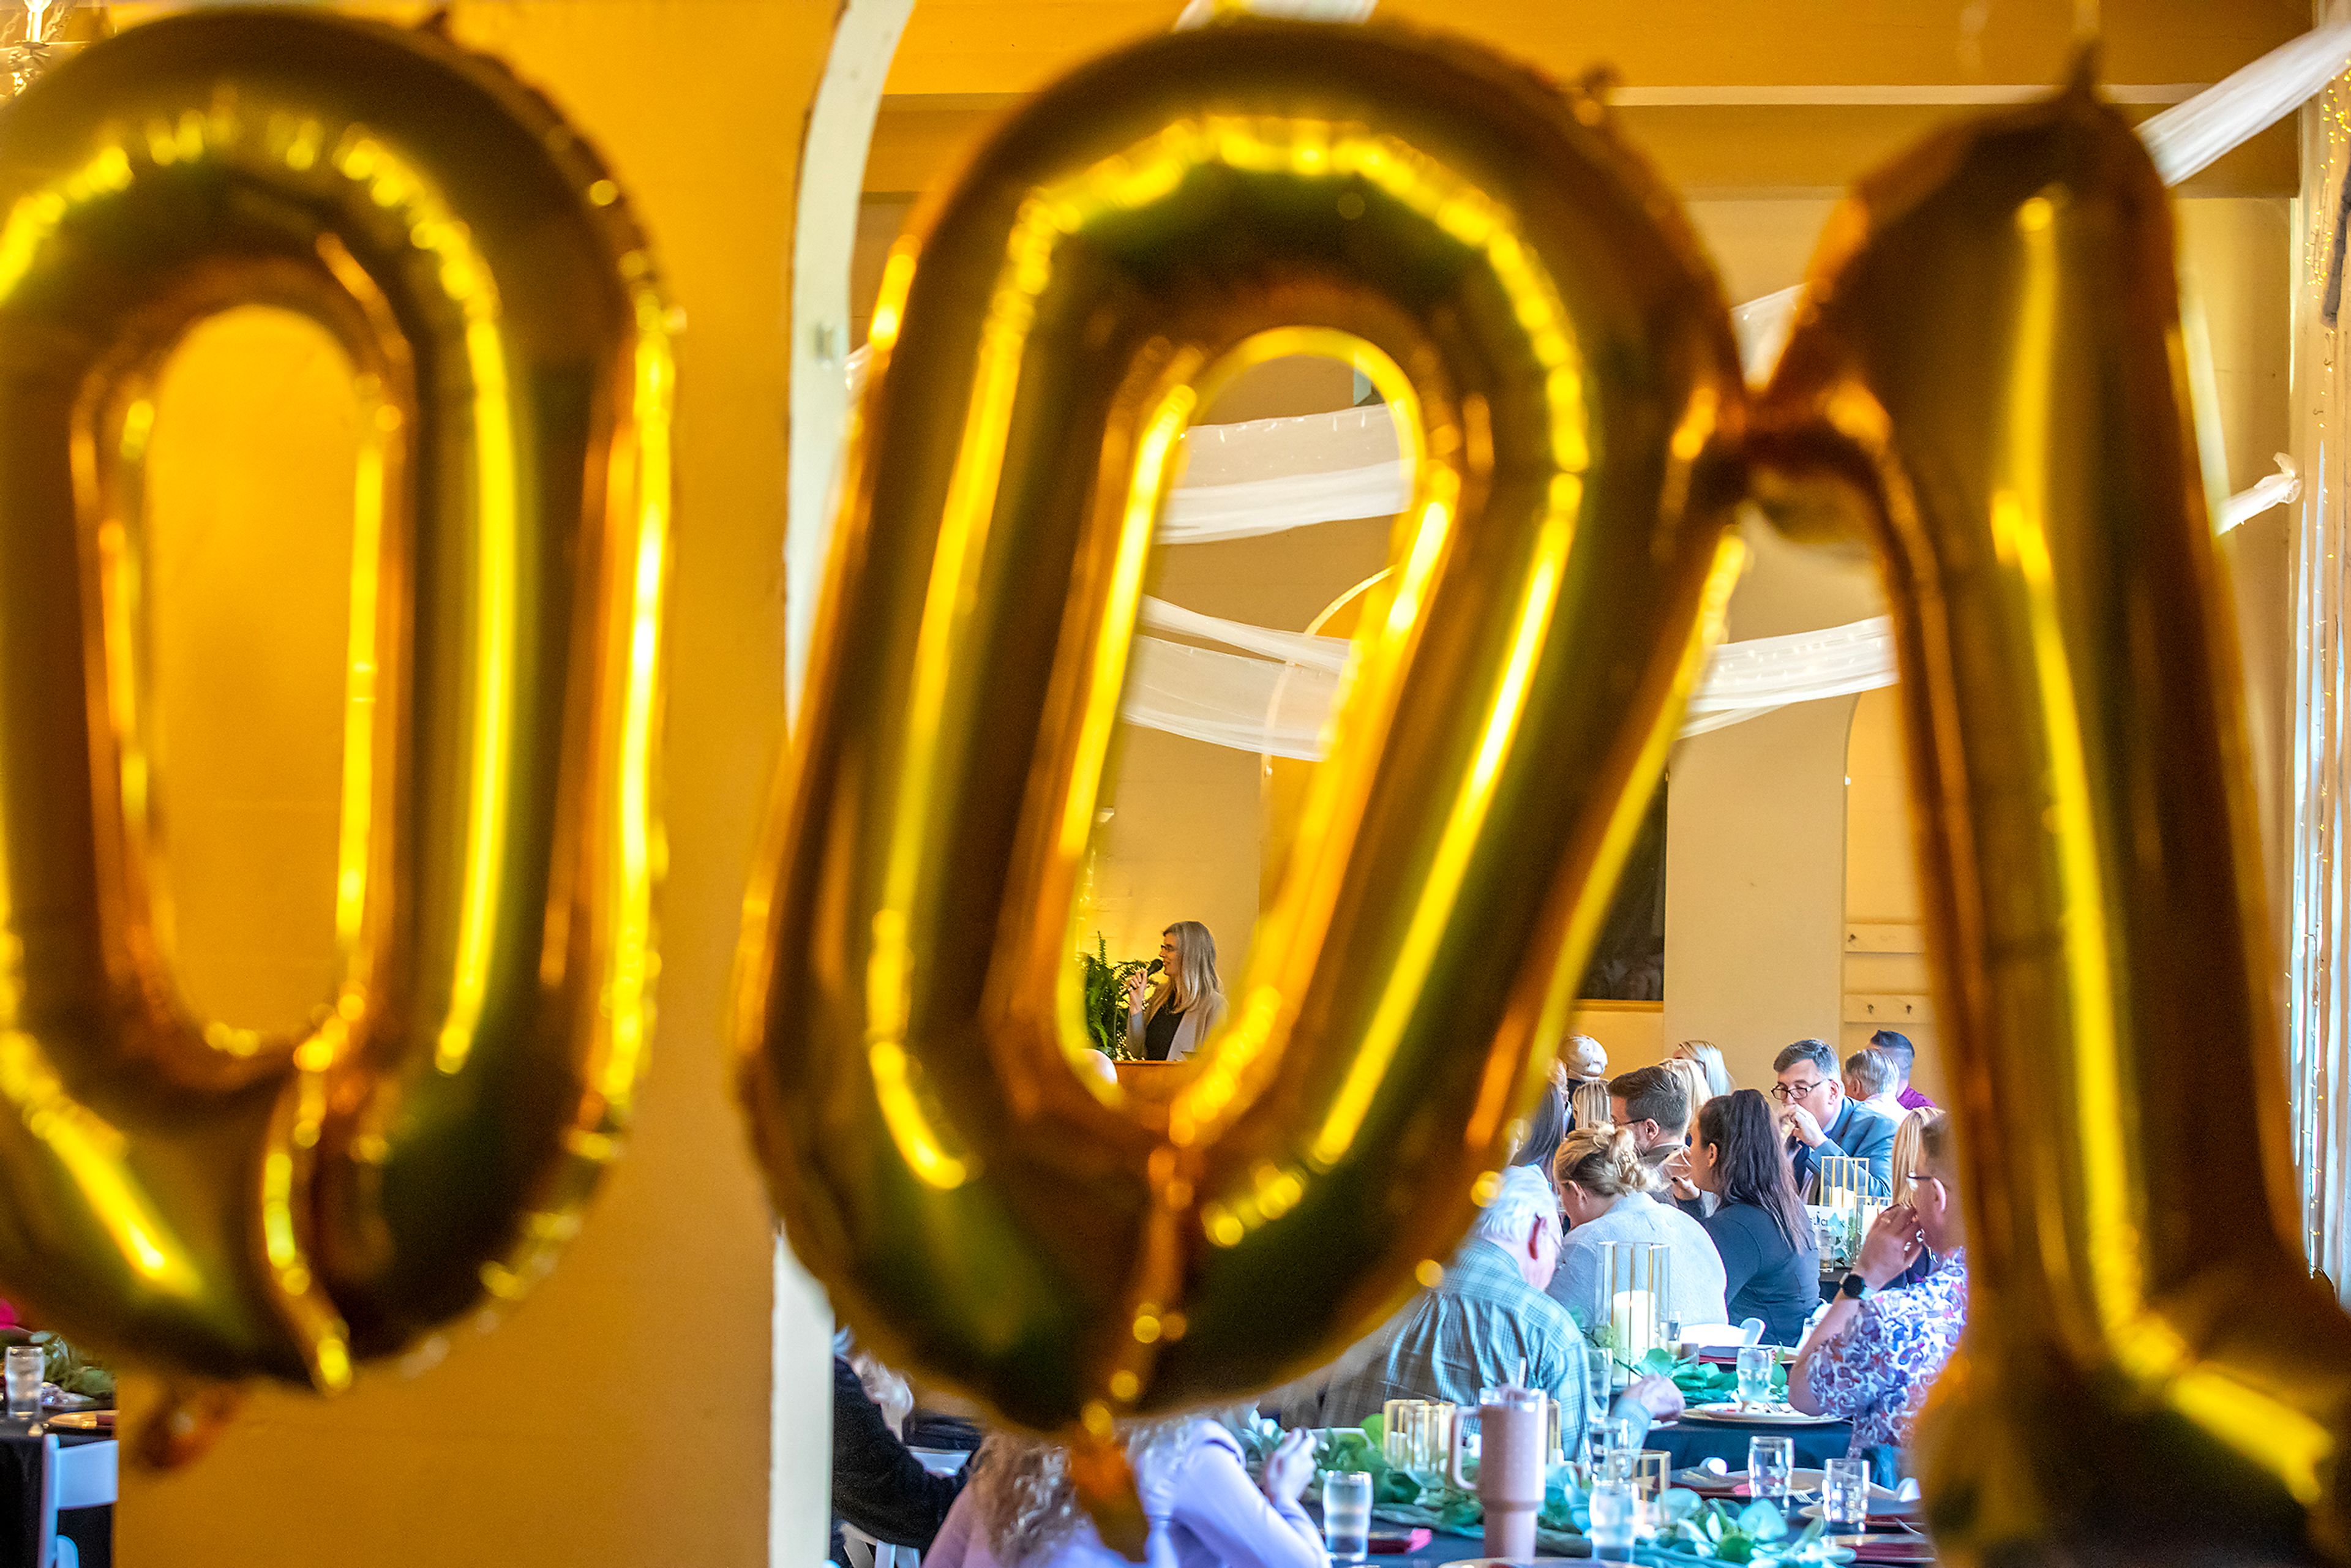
<point>1525,294</point>
<point>179,1193</point>
<point>1987,379</point>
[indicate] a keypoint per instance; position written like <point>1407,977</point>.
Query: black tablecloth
<point>1695,1442</point>
<point>89,1529</point>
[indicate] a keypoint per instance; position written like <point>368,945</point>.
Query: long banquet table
<point>1692,1443</point>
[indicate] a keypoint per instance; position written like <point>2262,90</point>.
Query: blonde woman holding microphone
<point>1169,1020</point>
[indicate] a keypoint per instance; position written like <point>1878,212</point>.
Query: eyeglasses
<point>1784,1092</point>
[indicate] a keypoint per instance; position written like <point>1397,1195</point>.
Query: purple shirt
<point>1204,1512</point>
<point>1913,1101</point>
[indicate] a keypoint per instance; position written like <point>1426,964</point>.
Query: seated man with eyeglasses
<point>1821,1120</point>
<point>1871,1359</point>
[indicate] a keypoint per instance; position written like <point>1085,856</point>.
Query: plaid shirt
<point>1470,1333</point>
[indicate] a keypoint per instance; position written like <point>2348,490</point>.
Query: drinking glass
<point>1347,1515</point>
<point>1614,1516</point>
<point>1599,1382</point>
<point>1596,1370</point>
<point>1845,1494</point>
<point>1610,1438</point>
<point>1770,1467</point>
<point>24,1382</point>
<point>1755,1364</point>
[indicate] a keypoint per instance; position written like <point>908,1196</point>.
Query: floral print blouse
<point>1877,1372</point>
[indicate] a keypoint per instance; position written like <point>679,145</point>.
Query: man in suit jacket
<point>1821,1120</point>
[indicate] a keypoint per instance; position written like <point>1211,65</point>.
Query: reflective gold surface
<point>1987,383</point>
<point>201,1199</point>
<point>1528,299</point>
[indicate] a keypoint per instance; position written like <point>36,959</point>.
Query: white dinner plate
<point>1731,1410</point>
<point>1883,1504</point>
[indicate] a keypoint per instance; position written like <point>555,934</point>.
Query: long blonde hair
<point>1910,1148</point>
<point>1192,977</point>
<point>1590,1102</point>
<point>1709,1057</point>
<point>1692,1072</point>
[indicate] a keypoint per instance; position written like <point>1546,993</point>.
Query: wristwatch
<point>1853,1287</point>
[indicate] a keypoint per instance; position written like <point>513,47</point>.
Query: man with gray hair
<point>1821,1122</point>
<point>1485,1323</point>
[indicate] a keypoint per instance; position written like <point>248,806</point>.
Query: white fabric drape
<point>2188,137</point>
<point>1275,695</point>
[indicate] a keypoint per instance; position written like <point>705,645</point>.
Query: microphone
<point>1154,968</point>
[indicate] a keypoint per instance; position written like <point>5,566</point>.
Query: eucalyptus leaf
<point>1762,1520</point>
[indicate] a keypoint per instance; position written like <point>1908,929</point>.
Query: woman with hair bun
<point>1604,1187</point>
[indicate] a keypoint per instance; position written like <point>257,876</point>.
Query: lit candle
<point>1633,1317</point>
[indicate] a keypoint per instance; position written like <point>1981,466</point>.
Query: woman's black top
<point>1764,1274</point>
<point>878,1485</point>
<point>1159,1033</point>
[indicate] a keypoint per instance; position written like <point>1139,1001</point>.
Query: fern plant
<point>1105,984</point>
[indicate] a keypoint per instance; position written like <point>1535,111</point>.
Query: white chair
<point>82,1476</point>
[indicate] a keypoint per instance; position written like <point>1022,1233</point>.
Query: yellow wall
<point>621,1416</point>
<point>1881,886</point>
<point>255,415</point>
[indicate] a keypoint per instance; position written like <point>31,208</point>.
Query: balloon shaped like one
<point>1985,385</point>
<point>184,1195</point>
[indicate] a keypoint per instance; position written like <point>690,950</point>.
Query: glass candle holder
<point>1639,1276</point>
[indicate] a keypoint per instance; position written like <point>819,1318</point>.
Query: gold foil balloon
<point>178,1193</point>
<point>1987,379</point>
<point>1558,354</point>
